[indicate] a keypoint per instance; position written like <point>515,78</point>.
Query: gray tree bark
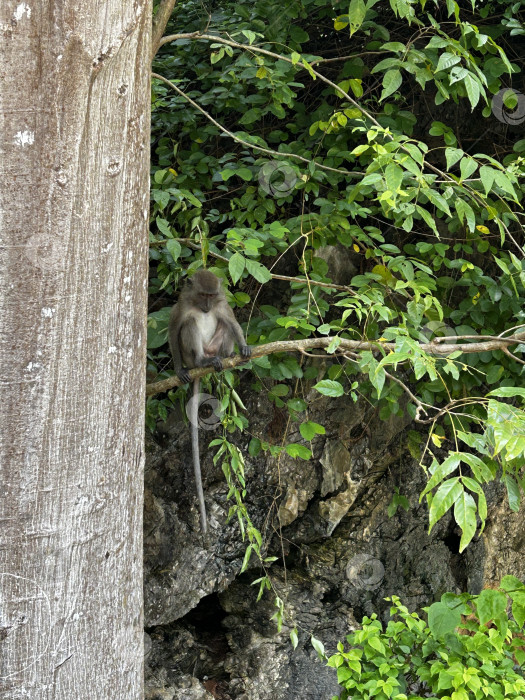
<point>74,161</point>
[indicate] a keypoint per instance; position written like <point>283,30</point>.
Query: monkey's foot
<point>245,351</point>
<point>184,375</point>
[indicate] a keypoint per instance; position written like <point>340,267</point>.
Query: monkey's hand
<point>184,375</point>
<point>216,363</point>
<point>245,351</point>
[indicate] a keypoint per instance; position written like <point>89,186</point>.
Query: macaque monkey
<point>202,329</point>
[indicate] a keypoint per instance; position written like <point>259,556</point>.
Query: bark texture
<point>74,143</point>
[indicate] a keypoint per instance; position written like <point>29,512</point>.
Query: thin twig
<point>297,280</point>
<point>512,356</point>
<point>329,285</point>
<point>352,173</point>
<point>511,339</point>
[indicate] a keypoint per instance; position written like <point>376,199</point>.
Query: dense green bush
<point>467,648</point>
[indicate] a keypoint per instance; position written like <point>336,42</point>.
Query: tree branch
<point>433,348</point>
<point>159,24</point>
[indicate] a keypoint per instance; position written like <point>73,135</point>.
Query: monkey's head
<point>205,289</point>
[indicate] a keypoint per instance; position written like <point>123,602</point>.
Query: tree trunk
<point>74,157</point>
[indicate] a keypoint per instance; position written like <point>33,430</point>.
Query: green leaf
<point>244,173</point>
<point>465,211</point>
<point>471,84</point>
<point>465,516</point>
<point>334,344</point>
<point>227,173</point>
<point>444,499</point>
<point>467,166</point>
<point>447,60</point>
<point>391,81</point>
<point>162,197</point>
<point>490,604</point>
<point>280,390</point>
<point>356,15</point>
<point>518,613</point>
<point>340,22</point>
<point>158,327</point>
<point>513,492</point>
<point>318,646</point>
<point>503,181</point>
<point>428,219</point>
<point>163,226</point>
<point>376,644</point>
<point>443,620</point>
<point>254,447</point>
<point>478,466</point>
<point>393,177</point>
<point>309,430</point>
<point>377,377</point>
<point>487,175</point>
<point>507,392</point>
<point>293,637</point>
<point>246,559</point>
<point>440,202</point>
<point>495,373</point>
<point>329,387</point>
<point>457,74</point>
<point>174,248</point>
<point>510,583</point>
<point>453,155</point>
<point>442,470</point>
<point>261,273</point>
<point>251,36</point>
<point>295,450</point>
<point>236,265</point>
<point>299,35</point>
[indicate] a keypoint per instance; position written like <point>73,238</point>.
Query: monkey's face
<point>206,301</point>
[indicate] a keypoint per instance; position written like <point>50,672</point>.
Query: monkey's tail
<point>194,421</point>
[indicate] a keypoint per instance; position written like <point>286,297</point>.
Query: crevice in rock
<point>206,621</point>
<point>458,564</point>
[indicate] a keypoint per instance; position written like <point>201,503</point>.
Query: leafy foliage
<point>468,648</point>
<point>371,128</point>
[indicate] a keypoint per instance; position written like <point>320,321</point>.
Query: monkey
<point>202,329</point>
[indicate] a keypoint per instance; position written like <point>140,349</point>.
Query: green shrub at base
<point>469,648</point>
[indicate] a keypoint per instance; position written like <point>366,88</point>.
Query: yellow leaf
<point>261,72</point>
<point>386,276</point>
<point>482,229</point>
<point>356,248</point>
<point>341,22</point>
<point>475,298</point>
<point>436,439</point>
<point>173,172</point>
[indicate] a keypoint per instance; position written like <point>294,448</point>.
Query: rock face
<point>338,554</point>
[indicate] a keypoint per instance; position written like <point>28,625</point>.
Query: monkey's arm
<point>236,331</point>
